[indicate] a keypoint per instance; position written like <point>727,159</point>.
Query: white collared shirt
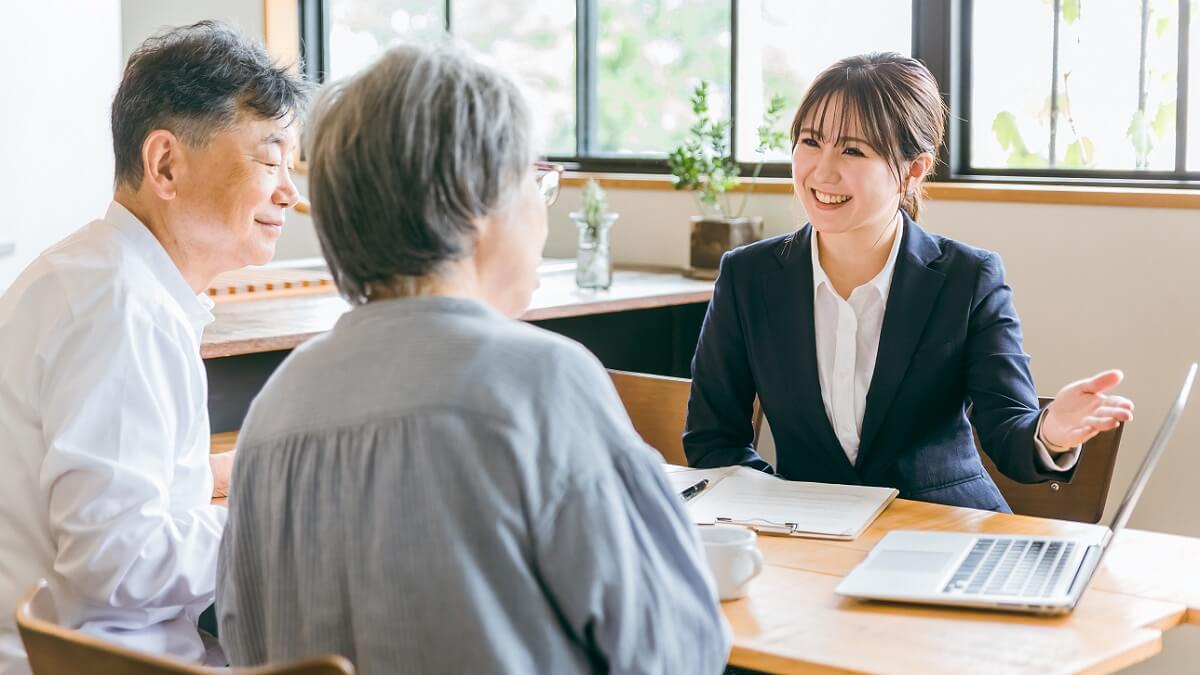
<point>105,440</point>
<point>847,337</point>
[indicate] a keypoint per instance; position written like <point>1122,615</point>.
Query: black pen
<point>694,490</point>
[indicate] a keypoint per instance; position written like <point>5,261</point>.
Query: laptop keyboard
<point>1017,567</point>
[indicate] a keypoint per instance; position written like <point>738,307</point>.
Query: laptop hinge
<point>1084,572</point>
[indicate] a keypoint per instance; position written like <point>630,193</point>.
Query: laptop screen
<point>1156,450</point>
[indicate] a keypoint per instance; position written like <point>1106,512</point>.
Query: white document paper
<point>770,505</point>
<point>683,477</point>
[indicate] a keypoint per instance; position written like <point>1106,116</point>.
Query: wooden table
<point>276,324</point>
<point>793,622</point>
<point>647,322</point>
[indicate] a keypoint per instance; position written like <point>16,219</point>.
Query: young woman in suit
<point>867,339</point>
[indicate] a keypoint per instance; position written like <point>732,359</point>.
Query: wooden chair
<point>54,650</point>
<point>1080,500</point>
<point>657,406</point>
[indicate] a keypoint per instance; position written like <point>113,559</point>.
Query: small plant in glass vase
<point>593,258</point>
<point>705,165</point>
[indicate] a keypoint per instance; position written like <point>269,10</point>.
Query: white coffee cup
<point>733,557</point>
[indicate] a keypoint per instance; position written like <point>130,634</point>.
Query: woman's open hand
<point>1083,409</point>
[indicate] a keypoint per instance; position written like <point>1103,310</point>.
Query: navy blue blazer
<point>950,339</point>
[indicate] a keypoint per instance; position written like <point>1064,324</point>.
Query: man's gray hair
<point>404,158</point>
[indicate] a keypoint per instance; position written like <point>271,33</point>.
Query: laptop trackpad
<point>920,562</point>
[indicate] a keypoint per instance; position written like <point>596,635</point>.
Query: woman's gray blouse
<point>433,488</point>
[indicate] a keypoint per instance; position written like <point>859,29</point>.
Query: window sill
<point>972,192</point>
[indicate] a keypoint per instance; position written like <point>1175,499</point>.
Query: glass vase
<point>593,257</point>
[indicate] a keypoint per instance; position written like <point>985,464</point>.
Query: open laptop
<point>1041,575</point>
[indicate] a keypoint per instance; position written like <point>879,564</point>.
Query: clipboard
<point>772,506</point>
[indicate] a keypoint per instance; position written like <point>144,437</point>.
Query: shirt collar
<point>882,282</point>
<point>439,304</point>
<point>197,307</point>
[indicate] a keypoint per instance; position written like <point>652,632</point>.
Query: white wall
<point>56,158</point>
<point>56,162</point>
<point>143,18</point>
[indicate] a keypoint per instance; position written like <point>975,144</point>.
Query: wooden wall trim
<point>281,30</point>
<point>975,192</point>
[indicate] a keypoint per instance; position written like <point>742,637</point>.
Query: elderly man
<point>107,482</point>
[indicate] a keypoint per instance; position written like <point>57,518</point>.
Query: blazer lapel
<point>788,291</point>
<point>914,292</point>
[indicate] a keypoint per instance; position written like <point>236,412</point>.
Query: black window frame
<point>941,38</point>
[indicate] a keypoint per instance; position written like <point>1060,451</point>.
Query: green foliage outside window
<point>1146,128</point>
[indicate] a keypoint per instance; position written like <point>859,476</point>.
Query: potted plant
<point>593,259</point>
<point>704,165</point>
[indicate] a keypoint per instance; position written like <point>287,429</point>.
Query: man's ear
<point>162,163</point>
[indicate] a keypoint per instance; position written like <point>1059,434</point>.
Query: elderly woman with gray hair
<point>433,486</point>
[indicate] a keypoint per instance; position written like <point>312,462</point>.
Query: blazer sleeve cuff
<point>730,457</point>
<point>1052,457</point>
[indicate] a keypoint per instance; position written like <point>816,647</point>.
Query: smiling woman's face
<point>232,194</point>
<point>843,183</point>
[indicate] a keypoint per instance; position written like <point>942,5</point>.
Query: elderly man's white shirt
<point>106,485</point>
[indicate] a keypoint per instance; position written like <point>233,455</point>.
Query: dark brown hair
<point>196,80</point>
<point>895,101</point>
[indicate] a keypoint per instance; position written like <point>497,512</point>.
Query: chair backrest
<point>53,650</point>
<point>1080,500</point>
<point>657,406</point>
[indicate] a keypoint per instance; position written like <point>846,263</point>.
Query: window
<point>1193,86</point>
<point>359,30</point>
<point>1094,88</point>
<point>534,41</point>
<point>770,62</point>
<point>649,56</point>
<point>1094,91</point>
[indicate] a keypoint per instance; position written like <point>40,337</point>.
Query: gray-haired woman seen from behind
<point>433,486</point>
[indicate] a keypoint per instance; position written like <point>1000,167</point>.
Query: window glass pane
<point>784,44</point>
<point>360,29</point>
<point>535,43</point>
<point>650,55</point>
<point>1193,134</point>
<point>1115,103</point>
<point>1010,87</point>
